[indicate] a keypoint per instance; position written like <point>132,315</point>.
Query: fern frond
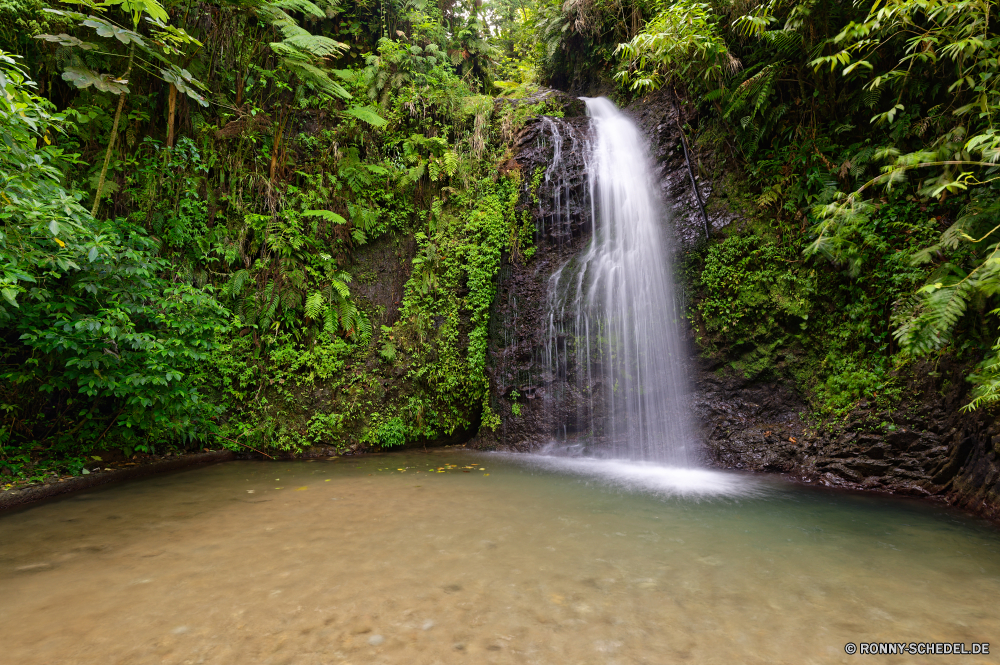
<point>328,215</point>
<point>366,114</point>
<point>871,97</point>
<point>314,45</point>
<point>301,6</point>
<point>315,305</point>
<point>317,78</point>
<point>234,286</point>
<point>330,323</point>
<point>784,42</point>
<point>341,288</point>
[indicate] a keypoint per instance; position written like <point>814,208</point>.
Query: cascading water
<point>613,321</point>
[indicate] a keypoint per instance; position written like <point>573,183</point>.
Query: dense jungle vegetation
<point>195,194</point>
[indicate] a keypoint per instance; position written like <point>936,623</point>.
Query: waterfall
<point>612,335</point>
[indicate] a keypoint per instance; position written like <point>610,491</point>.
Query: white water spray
<point>612,312</point>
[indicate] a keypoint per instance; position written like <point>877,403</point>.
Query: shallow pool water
<point>457,557</point>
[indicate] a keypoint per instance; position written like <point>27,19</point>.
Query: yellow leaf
<point>61,243</point>
<point>304,487</point>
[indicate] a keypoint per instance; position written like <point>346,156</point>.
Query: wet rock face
<point>550,152</point>
<point>660,118</point>
<point>927,448</point>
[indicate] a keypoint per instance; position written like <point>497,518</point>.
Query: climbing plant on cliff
<point>459,253</point>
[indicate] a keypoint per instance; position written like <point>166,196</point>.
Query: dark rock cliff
<point>928,447</point>
<point>549,154</point>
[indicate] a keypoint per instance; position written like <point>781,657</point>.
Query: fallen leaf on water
<point>249,491</point>
<point>279,488</point>
<point>327,480</point>
<point>304,487</point>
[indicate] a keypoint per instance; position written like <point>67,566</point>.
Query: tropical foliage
<point>200,204</point>
<point>844,115</point>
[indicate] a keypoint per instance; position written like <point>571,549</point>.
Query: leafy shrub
<point>96,332</point>
<point>391,433</point>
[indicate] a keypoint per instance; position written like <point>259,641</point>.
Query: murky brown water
<point>346,563</point>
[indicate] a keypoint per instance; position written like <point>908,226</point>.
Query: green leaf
<point>76,16</point>
<point>328,215</point>
<point>366,114</point>
<point>302,6</point>
<point>10,295</point>
<point>184,82</point>
<point>68,40</point>
<point>82,77</point>
<point>109,30</point>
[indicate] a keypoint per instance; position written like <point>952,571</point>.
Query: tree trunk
<point>171,111</point>
<point>114,135</point>
<point>277,144</point>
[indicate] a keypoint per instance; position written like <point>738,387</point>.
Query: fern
<point>366,114</point>
<point>301,52</point>
<point>986,378</point>
<point>315,305</point>
<point>304,42</point>
<point>328,215</point>
<point>785,42</point>
<point>871,97</point>
<point>302,6</point>
<point>450,159</point>
<point>234,287</point>
<point>927,324</point>
<point>752,93</point>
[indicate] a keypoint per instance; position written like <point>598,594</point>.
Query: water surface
<point>355,561</point>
